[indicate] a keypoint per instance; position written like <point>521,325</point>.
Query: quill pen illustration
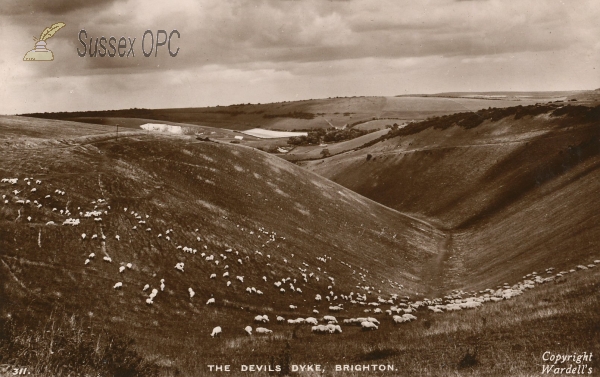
<point>50,31</point>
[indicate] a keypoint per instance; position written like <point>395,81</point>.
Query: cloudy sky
<point>274,50</point>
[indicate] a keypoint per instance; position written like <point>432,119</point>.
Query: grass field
<point>449,211</point>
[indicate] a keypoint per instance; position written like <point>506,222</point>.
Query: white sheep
<point>293,307</point>
<point>121,269</point>
<point>179,266</point>
<point>192,293</point>
<point>146,287</point>
<point>212,276</point>
<point>261,318</point>
<point>311,321</point>
<point>280,319</point>
<point>87,261</point>
<point>330,319</point>
<point>216,331</point>
<point>210,301</point>
<point>248,330</point>
<point>118,285</point>
<point>162,285</point>
<point>129,265</point>
<point>117,237</point>
<point>367,325</point>
<point>240,278</point>
<point>107,259</point>
<point>262,330</point>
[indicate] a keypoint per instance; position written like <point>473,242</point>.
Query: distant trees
<point>329,135</point>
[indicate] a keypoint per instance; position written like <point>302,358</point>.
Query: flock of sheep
<point>398,309</point>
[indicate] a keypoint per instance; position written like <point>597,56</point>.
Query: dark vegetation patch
<point>291,114</point>
<point>469,360</point>
<point>468,120</point>
<point>378,354</point>
<point>329,135</point>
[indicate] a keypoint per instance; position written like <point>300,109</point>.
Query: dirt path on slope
<point>434,272</point>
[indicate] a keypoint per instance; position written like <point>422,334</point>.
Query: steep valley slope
<point>513,188</point>
<point>87,220</point>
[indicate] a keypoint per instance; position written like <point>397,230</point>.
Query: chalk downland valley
<point>459,236</point>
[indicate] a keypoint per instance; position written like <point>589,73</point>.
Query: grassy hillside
<point>512,187</point>
<point>476,201</point>
<point>143,198</point>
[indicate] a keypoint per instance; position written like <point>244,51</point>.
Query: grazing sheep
<point>293,307</point>
<point>87,261</point>
<point>262,330</point>
<point>118,285</point>
<point>366,325</point>
<point>179,266</point>
<point>280,319</point>
<point>117,237</point>
<point>121,269</point>
<point>261,318</point>
<point>216,331</point>
<point>149,301</point>
<point>330,319</point>
<point>192,293</point>
<point>146,287</point>
<point>311,321</point>
<point>320,329</point>
<point>400,319</point>
<point>240,278</point>
<point>107,259</point>
<point>248,330</point>
<point>228,283</point>
<point>210,301</point>
<point>162,285</point>
<point>83,235</point>
<point>129,266</point>
<point>212,276</point>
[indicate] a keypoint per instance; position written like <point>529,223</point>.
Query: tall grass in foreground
<point>66,346</point>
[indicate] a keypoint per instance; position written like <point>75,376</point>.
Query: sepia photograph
<point>336,188</point>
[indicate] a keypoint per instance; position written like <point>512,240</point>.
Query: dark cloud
<point>52,7</point>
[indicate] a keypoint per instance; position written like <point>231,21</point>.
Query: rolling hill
<point>454,210</point>
<point>143,203</point>
<point>512,188</point>
<point>313,113</point>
